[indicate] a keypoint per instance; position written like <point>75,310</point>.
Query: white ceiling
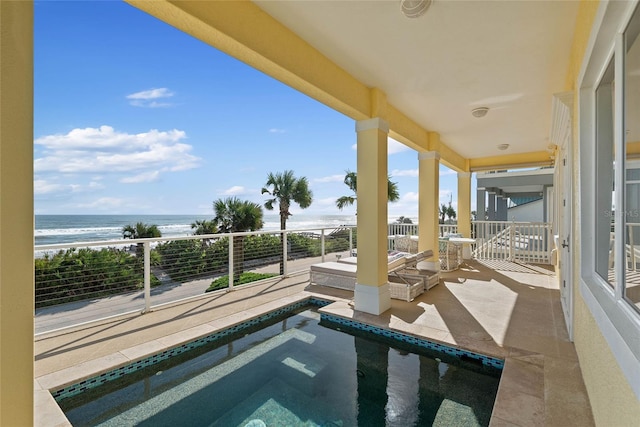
<point>510,56</point>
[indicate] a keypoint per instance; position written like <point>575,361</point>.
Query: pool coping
<point>517,363</point>
<point>48,413</point>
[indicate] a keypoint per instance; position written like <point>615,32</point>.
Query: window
<point>631,141</point>
<point>609,117</point>
<point>604,179</point>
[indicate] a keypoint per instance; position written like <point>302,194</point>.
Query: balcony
<point>498,307</point>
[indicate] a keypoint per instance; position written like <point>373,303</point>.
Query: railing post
<point>322,243</point>
<point>632,252</point>
<point>350,241</point>
<point>147,277</point>
<point>230,262</point>
<point>512,239</point>
<point>284,254</point>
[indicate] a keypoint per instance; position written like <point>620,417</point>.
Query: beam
<point>511,161</point>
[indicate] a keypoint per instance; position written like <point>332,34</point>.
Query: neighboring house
<point>521,195</point>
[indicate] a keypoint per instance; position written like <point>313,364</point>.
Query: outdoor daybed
<point>406,280</point>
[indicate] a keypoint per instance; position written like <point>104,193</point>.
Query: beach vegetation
<point>82,274</point>
<point>351,181</point>
<point>185,260</point>
<point>247,277</point>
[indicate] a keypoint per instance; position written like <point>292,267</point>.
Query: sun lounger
<point>411,270</point>
<point>339,275</point>
<point>406,281</point>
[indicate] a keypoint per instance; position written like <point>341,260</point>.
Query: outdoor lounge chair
<point>406,281</point>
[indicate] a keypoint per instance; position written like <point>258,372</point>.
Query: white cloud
<point>409,197</point>
<point>104,150</point>
<point>142,177</point>
<point>234,191</point>
<point>276,130</point>
<point>330,178</point>
<point>327,201</point>
<point>404,172</point>
<point>393,147</point>
<point>104,203</point>
<point>41,186</point>
<point>147,98</point>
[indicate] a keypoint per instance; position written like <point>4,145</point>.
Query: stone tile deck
<point>501,309</point>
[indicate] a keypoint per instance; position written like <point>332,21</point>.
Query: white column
<point>428,205</point>
<point>372,289</point>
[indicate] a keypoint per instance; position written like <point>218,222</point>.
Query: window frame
<point>616,319</point>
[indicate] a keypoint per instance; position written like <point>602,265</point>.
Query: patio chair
<point>405,244</point>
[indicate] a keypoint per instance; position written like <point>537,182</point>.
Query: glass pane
<point>632,165</point>
<point>604,176</point>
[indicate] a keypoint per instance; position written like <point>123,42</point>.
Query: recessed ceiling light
<point>480,111</point>
<point>503,147</point>
<point>414,8</point>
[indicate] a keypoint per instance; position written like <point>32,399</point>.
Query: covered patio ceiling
<point>430,71</point>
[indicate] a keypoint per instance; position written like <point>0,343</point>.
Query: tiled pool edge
<point>420,342</point>
<point>104,377</point>
<point>59,393</point>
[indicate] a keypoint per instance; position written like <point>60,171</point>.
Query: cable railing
<point>81,282</point>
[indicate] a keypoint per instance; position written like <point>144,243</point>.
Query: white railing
<point>82,282</point>
<point>514,241</point>
<point>447,229</point>
<point>396,229</point>
<point>633,253</point>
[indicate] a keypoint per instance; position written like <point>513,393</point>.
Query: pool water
<point>296,371</point>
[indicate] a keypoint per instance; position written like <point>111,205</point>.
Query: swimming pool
<point>297,369</point>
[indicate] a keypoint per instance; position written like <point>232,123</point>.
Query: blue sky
<point>132,116</point>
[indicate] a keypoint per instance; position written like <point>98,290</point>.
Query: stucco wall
<point>612,401</point>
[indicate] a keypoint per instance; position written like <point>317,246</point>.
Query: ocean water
<point>53,229</point>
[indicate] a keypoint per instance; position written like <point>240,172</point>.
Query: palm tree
<point>442,212</point>
<point>140,231</point>
<point>232,216</point>
<point>404,220</point>
<point>351,181</point>
<point>451,213</point>
<point>203,227</point>
<point>285,188</point>
<point>447,211</point>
